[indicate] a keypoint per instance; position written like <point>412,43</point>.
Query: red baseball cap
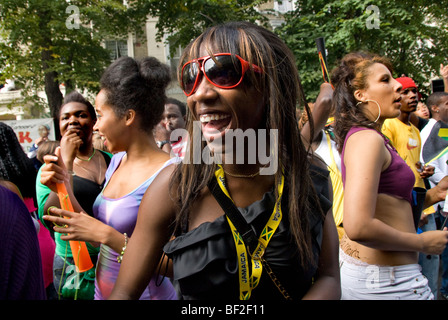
<point>406,82</point>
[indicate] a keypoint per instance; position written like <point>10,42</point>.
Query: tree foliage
<point>181,21</point>
<point>412,34</point>
<point>42,47</point>
<point>47,43</point>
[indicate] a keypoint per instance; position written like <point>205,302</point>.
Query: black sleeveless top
<point>87,190</point>
<point>205,263</point>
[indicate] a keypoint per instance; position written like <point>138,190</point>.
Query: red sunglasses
<point>221,69</point>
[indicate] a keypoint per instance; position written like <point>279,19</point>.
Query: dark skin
<point>142,160</point>
<point>153,229</point>
<point>172,119</point>
<point>409,101</point>
<point>321,111</point>
<point>76,125</point>
<point>157,213</point>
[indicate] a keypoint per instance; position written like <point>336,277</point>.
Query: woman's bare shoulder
<point>366,139</point>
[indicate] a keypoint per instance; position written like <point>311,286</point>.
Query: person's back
<point>20,268</point>
<point>16,167</point>
<point>438,104</point>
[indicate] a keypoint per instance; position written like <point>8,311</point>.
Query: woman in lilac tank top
<point>378,253</point>
<point>110,211</point>
<point>129,105</point>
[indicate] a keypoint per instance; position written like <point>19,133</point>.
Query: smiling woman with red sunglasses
<point>239,76</point>
<point>223,70</point>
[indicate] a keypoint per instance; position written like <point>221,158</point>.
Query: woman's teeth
<point>205,118</point>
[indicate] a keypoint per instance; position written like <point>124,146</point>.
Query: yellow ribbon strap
<point>250,279</point>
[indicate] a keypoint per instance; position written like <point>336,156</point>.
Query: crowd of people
<point>354,211</point>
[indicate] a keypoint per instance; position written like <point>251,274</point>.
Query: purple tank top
<point>121,214</point>
<point>397,180</point>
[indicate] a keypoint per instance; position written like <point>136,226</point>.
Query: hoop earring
<point>378,105</point>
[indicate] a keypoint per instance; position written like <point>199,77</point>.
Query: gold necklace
<point>90,158</point>
<point>242,175</point>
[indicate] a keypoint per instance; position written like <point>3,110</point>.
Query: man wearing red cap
<point>405,137</point>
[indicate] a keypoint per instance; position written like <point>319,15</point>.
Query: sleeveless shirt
<point>121,214</point>
<point>205,261</point>
<point>397,180</point>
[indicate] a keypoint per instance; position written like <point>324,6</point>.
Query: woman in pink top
<point>379,251</point>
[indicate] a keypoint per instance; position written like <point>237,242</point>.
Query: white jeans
<point>362,281</point>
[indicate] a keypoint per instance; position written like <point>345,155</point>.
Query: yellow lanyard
<point>247,281</point>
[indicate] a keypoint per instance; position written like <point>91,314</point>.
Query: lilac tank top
<point>397,180</point>
<point>121,214</point>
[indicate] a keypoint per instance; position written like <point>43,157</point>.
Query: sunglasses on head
<point>223,70</point>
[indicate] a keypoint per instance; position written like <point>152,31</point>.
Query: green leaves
<point>60,41</point>
<point>182,21</point>
<point>413,34</point>
<point>63,39</point>
<point>408,33</point>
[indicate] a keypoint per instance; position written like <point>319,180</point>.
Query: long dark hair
<point>15,166</point>
<point>281,88</point>
<point>351,75</point>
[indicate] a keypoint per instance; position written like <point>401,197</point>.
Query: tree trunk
<point>54,95</point>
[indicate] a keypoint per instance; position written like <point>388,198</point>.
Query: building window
<point>117,48</point>
<point>284,6</point>
<point>174,59</point>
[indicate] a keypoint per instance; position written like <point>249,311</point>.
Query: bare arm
<point>79,225</point>
<point>327,283</point>
<point>321,112</point>
<point>58,168</point>
<point>151,233</point>
<point>162,134</point>
<point>437,193</point>
<point>364,158</point>
<point>444,74</point>
<point>53,173</point>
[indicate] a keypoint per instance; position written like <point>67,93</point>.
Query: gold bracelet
<point>120,257</point>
